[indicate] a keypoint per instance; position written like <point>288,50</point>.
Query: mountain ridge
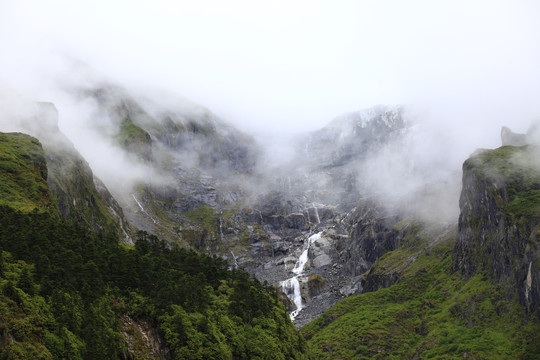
<point>319,230</point>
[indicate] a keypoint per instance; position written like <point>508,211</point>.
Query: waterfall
<point>144,211</point>
<point>314,210</point>
<point>302,260</point>
<point>235,261</point>
<point>317,215</point>
<point>291,287</point>
<point>221,225</point>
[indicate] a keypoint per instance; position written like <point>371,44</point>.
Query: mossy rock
<point>517,169</point>
<point>316,285</point>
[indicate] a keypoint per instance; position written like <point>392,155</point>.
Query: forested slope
<point>67,292</point>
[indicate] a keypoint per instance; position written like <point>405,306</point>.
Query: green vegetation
<point>201,229</point>
<point>132,134</point>
<point>72,182</point>
<point>64,292</point>
<point>315,284</point>
<point>23,174</point>
<point>518,169</point>
<point>133,138</point>
<point>430,313</point>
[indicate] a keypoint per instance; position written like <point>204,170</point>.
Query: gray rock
<point>492,240</point>
<point>321,260</point>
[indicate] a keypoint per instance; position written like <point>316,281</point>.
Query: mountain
<point>71,290</point>
<point>209,187</point>
<point>467,291</point>
<point>75,191</point>
<point>189,160</point>
<point>182,174</point>
<point>353,238</point>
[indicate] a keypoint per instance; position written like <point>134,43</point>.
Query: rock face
<point>334,155</point>
<point>499,225</point>
<point>372,234</point>
<point>142,339</point>
<point>508,137</point>
<point>354,135</point>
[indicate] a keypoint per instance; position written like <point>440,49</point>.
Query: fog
<point>275,68</point>
<point>281,66</point>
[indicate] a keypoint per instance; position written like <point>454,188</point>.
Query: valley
<point>363,246</point>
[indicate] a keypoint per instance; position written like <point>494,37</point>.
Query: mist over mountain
<point>272,180</point>
<point>316,224</point>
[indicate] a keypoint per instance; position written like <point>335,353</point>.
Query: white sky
<point>292,65</point>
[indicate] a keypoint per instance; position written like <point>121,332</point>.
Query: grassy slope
<point>134,138</point>
<point>72,183</point>
<point>23,173</point>
<point>430,313</point>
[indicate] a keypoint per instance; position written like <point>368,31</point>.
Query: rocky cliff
<point>458,291</point>
<point>499,225</point>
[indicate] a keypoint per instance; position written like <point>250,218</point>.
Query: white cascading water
<point>291,287</point>
<point>317,214</point>
<point>144,211</point>
<point>302,260</point>
<point>221,225</point>
<point>235,261</point>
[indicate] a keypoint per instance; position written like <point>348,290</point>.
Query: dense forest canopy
<point>65,291</point>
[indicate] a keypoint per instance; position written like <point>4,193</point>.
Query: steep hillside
<point>466,293</point>
<point>78,193</point>
<point>191,159</point>
<point>75,192</point>
<point>23,174</point>
<point>429,312</point>
<point>66,292</point>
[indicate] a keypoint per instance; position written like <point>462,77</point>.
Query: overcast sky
<point>292,65</point>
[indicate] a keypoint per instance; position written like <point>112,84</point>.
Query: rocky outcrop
<point>372,233</point>
<point>499,225</point>
<point>143,340</point>
<point>508,137</point>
